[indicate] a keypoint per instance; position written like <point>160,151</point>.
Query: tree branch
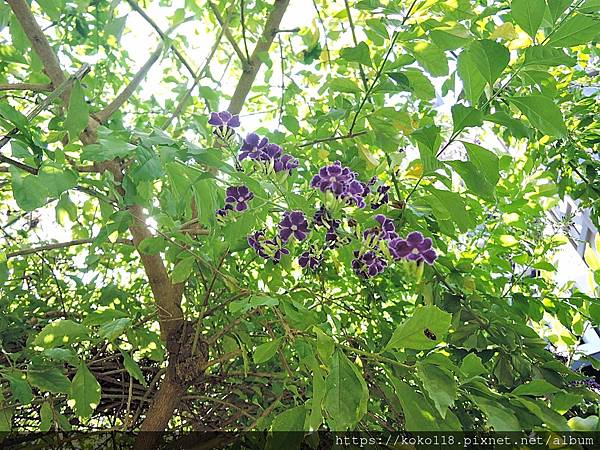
<point>128,91</point>
<point>59,245</point>
<point>40,44</point>
<point>34,87</point>
<point>228,34</point>
<point>264,43</point>
<point>162,34</point>
<point>333,138</point>
<point>197,79</point>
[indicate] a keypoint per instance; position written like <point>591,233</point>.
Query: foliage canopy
<point>128,301</point>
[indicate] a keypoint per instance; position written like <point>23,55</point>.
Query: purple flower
<point>275,249</point>
<point>414,248</point>
<point>334,178</point>
<point>388,229</point>
<point>224,119</point>
<point>286,162</point>
<point>259,149</point>
<point>222,212</point>
<point>293,223</point>
<point>239,196</point>
<point>310,260</point>
<point>252,147</point>
<point>368,264</point>
<point>342,182</point>
<point>382,197</point>
<point>267,248</point>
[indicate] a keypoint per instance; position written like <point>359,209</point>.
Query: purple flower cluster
<point>342,183</point>
<point>310,259</point>
<point>382,197</point>
<point>293,223</point>
<point>322,218</point>
<point>224,119</point>
<point>267,248</point>
<point>368,264</point>
<point>414,248</point>
<point>259,149</point>
<point>236,200</point>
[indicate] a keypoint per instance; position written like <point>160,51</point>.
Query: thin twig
<point>333,138</point>
<point>162,34</point>
<point>243,19</point>
<point>228,34</point>
<point>34,87</point>
<point>381,67</point>
<point>59,245</point>
<point>361,69</point>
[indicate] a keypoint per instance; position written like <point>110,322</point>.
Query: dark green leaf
<point>347,394</point>
<point>266,351</point>
<point>359,54</point>
<point>577,30</point>
<point>542,113</point>
<point>465,117</point>
<point>528,14</point>
<point>78,112</point>
<point>85,392</point>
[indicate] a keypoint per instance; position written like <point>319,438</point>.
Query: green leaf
<point>133,368</point>
<point>498,417</point>
<point>48,380</point>
<point>29,191</point>
<point>78,112</point>
<point>12,115</point>
<point>490,59</point>
<point>577,30</point>
<point>481,172</point>
<point>428,140</point>
<point>419,414</point>
<point>542,113</point>
<point>116,27</point>
<point>84,395</point>
<point>420,84</point>
<point>57,179</point>
<point>347,394</point>
<point>319,389</point>
<point>450,37</point>
<point>557,7</point>
<point>50,7</point>
<point>183,269</point>
<point>344,85</point>
<point>359,54</point>
<point>431,58</point>
<point>6,415</point>
<point>450,205</point>
<point>325,345</point>
<point>152,245</point>
<point>541,55</point>
<point>61,332</point>
<point>440,386</point>
<point>289,420</point>
<point>113,329</point>
<point>46,417</point>
<point>266,351</point>
<point>411,332</point>
<point>465,117</point>
<point>472,79</point>
<point>106,149</point>
<point>19,386</point>
<point>472,366</point>
<point>528,14</point>
<point>536,388</point>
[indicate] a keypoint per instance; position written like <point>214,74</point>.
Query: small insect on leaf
<point>430,335</point>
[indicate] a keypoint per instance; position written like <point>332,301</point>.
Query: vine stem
<point>381,67</point>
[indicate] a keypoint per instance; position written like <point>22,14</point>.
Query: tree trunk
<point>160,412</point>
